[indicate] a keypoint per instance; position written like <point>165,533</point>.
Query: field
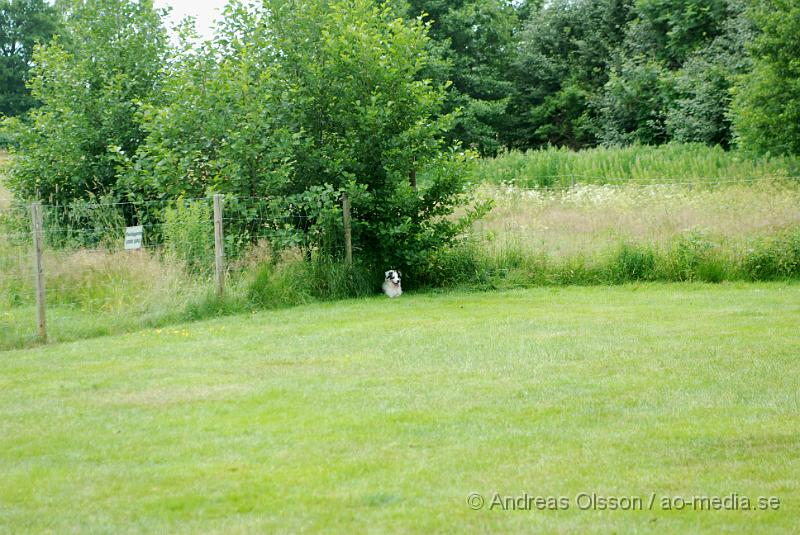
<point>384,416</point>
<point>615,224</point>
<point>690,163</point>
<point>591,219</point>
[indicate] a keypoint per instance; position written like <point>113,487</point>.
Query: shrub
<point>460,264</point>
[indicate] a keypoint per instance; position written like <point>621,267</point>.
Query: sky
<point>205,12</point>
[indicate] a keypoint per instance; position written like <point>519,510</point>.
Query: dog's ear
<point>386,275</point>
<point>399,274</point>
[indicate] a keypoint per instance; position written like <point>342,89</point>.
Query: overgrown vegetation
<point>667,164</point>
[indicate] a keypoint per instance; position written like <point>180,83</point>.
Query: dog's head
<point>393,276</point>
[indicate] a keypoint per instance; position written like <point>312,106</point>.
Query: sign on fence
<point>133,237</point>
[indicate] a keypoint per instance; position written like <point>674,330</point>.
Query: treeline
<point>582,73</point>
<point>572,73</point>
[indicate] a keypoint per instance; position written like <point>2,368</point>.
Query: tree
<point>633,106</point>
<point>300,100</point>
<point>23,23</point>
<point>668,31</point>
<point>561,64</point>
<point>766,106</point>
<point>474,38</point>
<point>701,109</point>
<point>91,83</point>
<point>670,78</point>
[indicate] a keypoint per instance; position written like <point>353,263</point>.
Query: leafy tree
<point>701,109</point>
<point>300,100</point>
<point>766,107</point>
<point>23,23</point>
<point>474,39</point>
<point>214,126</point>
<point>668,31</point>
<point>91,83</point>
<point>633,106</point>
<point>561,63</point>
<point>670,78</point>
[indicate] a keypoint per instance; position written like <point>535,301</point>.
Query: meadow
<point>379,416</point>
<point>590,218</point>
<point>602,231</point>
<point>689,163</point>
<point>584,374</point>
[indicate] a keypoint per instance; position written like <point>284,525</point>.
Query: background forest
<point>573,73</point>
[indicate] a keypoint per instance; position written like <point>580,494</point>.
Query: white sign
<point>133,237</point>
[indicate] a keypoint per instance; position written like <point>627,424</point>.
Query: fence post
<point>38,247</point>
<point>219,245</point>
<point>348,237</point>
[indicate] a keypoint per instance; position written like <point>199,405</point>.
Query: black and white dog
<point>391,284</point>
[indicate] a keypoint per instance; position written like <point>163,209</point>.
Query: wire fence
<point>562,182</point>
<point>128,246</point>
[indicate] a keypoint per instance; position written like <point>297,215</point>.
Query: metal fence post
<point>348,237</point>
<point>38,248</point>
<point>219,245</point>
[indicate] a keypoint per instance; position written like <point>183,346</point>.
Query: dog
<point>391,284</point>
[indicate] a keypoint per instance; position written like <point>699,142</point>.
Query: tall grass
<point>5,195</point>
<point>686,257</point>
<point>593,234</point>
<point>668,163</point>
<point>96,291</point>
<point>588,218</point>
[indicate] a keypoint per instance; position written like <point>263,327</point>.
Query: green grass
<point>588,234</point>
<point>382,416</point>
<point>5,195</point>
<point>695,163</point>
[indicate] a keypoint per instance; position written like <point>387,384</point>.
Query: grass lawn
<point>383,416</point>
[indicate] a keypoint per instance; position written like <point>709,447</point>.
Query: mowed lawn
<point>385,415</point>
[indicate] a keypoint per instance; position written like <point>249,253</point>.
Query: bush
<point>686,256</point>
<point>463,264</point>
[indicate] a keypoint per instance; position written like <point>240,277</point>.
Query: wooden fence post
<point>38,249</point>
<point>348,237</point>
<point>219,245</point>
